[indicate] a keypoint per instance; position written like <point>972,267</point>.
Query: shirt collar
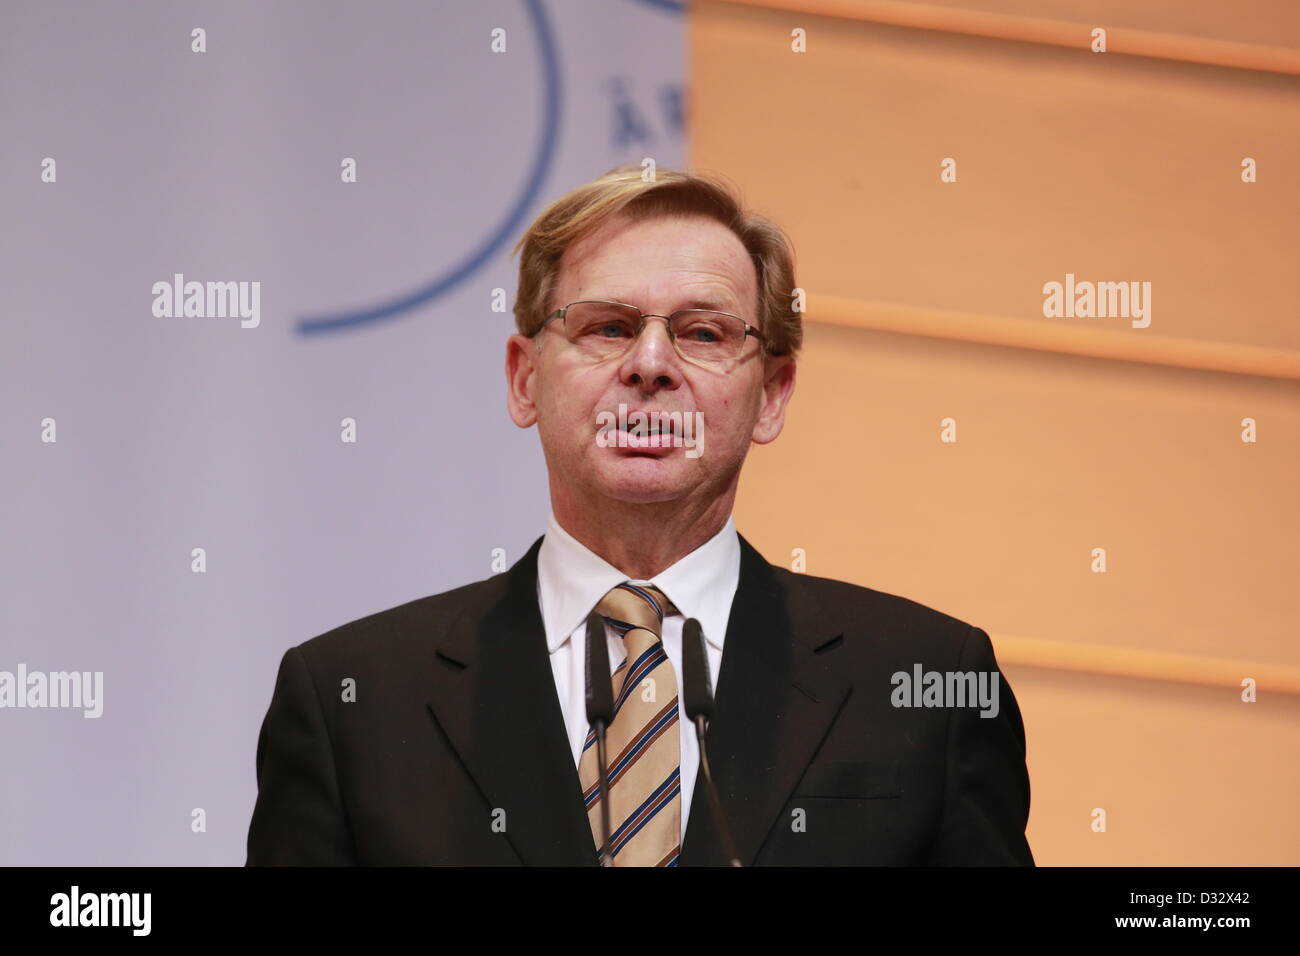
<point>571,579</point>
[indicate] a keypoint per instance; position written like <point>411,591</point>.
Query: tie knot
<point>628,606</point>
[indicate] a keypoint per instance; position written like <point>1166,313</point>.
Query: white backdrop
<point>179,433</point>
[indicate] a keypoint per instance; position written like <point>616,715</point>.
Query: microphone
<point>600,714</point>
<point>697,697</point>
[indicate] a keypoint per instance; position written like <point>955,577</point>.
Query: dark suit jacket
<point>456,723</point>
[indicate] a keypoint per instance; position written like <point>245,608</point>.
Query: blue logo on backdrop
<point>478,257</point>
<point>676,6</point>
<point>626,128</point>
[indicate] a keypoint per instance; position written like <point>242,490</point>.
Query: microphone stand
<point>697,689</point>
<point>605,858</point>
<point>600,714</point>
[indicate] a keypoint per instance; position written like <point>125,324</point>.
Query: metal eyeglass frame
<point>668,323</point>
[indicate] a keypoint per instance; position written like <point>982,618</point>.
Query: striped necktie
<point>641,744</point>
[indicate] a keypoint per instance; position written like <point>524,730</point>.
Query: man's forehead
<point>694,259</point>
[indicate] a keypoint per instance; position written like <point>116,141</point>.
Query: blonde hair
<point>623,191</point>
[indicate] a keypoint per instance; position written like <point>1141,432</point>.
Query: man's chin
<point>644,479</point>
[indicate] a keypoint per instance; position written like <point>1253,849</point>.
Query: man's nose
<point>652,357</point>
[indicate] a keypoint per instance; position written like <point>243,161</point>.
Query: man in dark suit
<point>850,726</point>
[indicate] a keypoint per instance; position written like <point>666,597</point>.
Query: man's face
<point>659,265</point>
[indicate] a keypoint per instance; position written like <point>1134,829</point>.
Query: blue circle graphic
<point>675,6</point>
<point>478,257</point>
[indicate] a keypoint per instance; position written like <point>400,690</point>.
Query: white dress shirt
<point>571,579</point>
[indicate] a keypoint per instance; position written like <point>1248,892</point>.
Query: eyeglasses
<point>604,329</point>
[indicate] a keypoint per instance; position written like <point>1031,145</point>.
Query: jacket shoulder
<point>839,607</point>
<point>404,630</point>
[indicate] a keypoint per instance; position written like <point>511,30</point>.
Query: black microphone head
<point>600,689</point>
<point>697,686</point>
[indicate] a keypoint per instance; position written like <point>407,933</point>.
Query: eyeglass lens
<point>605,329</point>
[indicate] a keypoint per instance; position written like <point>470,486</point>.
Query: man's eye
<point>701,331</point>
<point>609,329</point>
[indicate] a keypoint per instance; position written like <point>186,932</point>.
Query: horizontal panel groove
<point>1050,32</point>
<point>1067,336</point>
<point>1145,665</point>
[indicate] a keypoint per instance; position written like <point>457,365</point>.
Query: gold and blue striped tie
<point>642,743</point>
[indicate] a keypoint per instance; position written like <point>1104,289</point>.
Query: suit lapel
<point>494,696</point>
<point>774,703</point>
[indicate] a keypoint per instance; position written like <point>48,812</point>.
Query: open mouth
<point>658,429</point>
<point>650,431</point>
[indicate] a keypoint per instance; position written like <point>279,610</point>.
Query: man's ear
<point>778,386</point>
<point>521,366</point>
